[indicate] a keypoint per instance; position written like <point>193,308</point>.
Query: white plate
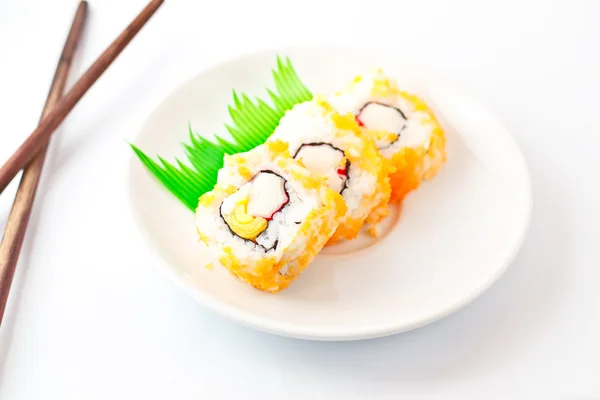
<point>456,235</point>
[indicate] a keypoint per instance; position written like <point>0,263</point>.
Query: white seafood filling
<point>414,133</point>
<point>325,161</point>
<point>306,123</point>
<point>381,117</point>
<point>267,195</point>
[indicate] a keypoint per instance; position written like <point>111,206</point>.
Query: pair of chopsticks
<point>32,153</point>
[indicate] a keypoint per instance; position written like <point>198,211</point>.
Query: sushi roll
<point>403,127</point>
<point>333,147</point>
<point>267,216</point>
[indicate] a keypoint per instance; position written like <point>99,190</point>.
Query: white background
<point>89,319</point>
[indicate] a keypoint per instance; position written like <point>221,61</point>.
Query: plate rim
<point>310,332</point>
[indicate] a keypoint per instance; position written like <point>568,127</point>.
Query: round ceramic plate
<point>452,239</point>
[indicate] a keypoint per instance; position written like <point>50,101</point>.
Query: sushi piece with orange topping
<point>403,127</point>
<point>268,216</point>
<point>333,148</point>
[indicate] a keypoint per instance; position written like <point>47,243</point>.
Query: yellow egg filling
<point>245,225</point>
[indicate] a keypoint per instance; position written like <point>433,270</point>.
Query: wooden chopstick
<point>10,247</point>
<point>41,135</point>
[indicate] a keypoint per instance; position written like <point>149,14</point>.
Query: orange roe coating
<point>267,268</point>
<point>274,150</point>
<point>263,273</point>
<point>406,177</point>
<point>207,199</point>
<point>307,180</point>
<point>383,87</point>
<point>202,237</point>
<point>245,172</point>
<point>381,211</point>
<point>278,148</point>
<point>338,202</point>
<point>413,165</point>
<point>384,135</point>
<point>352,226</point>
<point>348,230</point>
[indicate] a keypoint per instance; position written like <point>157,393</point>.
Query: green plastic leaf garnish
<point>252,123</point>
